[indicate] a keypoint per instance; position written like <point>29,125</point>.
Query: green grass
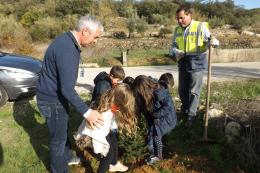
<point>135,57</point>
<point>228,92</point>
<point>24,136</point>
<point>150,57</point>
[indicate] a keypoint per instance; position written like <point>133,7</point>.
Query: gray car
<point>18,76</point>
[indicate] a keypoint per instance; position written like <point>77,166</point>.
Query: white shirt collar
<point>74,34</point>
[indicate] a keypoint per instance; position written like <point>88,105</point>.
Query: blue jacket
<point>59,73</point>
<point>164,114</point>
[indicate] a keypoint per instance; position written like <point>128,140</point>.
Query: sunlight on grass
<point>19,138</point>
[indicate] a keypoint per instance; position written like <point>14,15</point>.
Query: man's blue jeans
<point>190,85</point>
<point>57,119</point>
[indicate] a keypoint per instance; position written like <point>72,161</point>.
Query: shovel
<point>205,132</point>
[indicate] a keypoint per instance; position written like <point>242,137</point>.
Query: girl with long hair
<point>155,103</point>
<point>118,109</point>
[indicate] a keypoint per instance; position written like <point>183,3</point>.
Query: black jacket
<point>102,83</point>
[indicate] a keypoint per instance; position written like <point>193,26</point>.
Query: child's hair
<point>117,72</point>
<point>129,80</point>
<point>144,87</point>
<point>168,79</point>
<point>122,96</point>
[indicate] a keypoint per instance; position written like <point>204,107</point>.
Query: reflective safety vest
<point>192,43</point>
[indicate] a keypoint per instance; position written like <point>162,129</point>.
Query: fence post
<point>124,58</point>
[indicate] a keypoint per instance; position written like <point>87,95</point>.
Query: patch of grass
<point>135,57</point>
<point>23,139</point>
<point>111,57</point>
<point>149,57</point>
<point>6,110</point>
<point>223,92</point>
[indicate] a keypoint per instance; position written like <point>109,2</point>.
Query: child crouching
<point>155,103</point>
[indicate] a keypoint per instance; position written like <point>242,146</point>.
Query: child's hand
<point>95,119</point>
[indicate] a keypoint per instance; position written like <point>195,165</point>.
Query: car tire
<point>3,96</point>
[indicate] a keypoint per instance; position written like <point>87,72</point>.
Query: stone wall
<point>235,55</point>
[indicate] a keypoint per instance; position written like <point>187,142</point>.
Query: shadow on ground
<point>25,115</point>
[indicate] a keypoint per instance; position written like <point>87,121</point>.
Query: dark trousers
<point>190,85</point>
<point>155,146</point>
<point>57,119</point>
<point>111,158</point>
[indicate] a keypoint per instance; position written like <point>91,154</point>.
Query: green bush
<point>11,31</point>
<point>165,30</point>
<point>32,15</point>
<point>119,35</point>
<point>158,18</point>
<point>81,7</point>
<point>69,22</point>
<point>239,23</point>
<point>131,23</point>
<point>126,10</point>
<point>216,22</point>
<point>136,24</point>
<point>6,8</point>
<point>141,26</point>
<point>46,28</point>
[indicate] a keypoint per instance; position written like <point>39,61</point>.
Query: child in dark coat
<point>156,104</point>
<point>104,81</point>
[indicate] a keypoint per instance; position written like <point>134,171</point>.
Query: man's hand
<point>95,119</point>
<point>214,42</point>
<point>179,54</point>
<point>176,54</point>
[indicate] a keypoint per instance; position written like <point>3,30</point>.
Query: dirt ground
<point>191,163</point>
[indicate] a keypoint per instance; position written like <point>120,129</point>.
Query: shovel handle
<point>205,134</point>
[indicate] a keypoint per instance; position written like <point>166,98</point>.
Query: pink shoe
<point>119,167</point>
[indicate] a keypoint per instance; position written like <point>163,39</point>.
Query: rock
<point>232,132</point>
<point>250,33</point>
<point>215,113</point>
<point>215,106</point>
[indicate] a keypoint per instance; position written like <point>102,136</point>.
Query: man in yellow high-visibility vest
<point>189,48</point>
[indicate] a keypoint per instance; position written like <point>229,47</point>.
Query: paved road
<point>220,72</point>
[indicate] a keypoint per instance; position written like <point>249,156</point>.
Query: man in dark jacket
<point>55,89</point>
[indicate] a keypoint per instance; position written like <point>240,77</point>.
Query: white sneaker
<point>152,160</point>
<point>119,167</point>
<point>74,161</point>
